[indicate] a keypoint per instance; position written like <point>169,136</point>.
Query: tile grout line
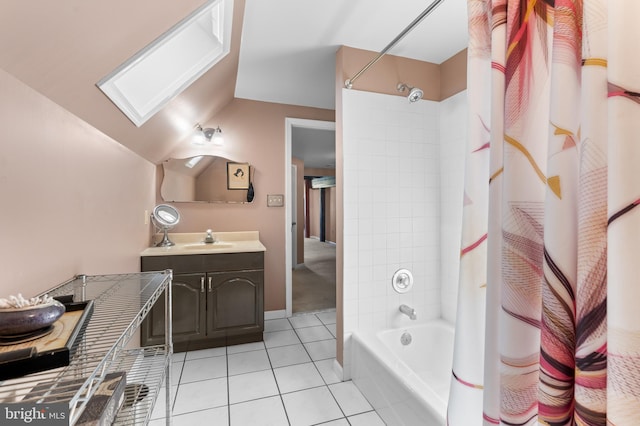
<point>226,355</point>
<point>272,368</point>
<point>323,379</point>
<point>284,407</point>
<point>341,381</point>
<point>316,367</point>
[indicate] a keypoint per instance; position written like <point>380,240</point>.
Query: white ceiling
<point>315,146</point>
<point>288,47</point>
<point>287,53</point>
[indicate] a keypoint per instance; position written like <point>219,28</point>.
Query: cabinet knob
<point>210,284</point>
<point>202,284</point>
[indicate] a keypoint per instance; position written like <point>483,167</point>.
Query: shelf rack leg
<point>168,340</point>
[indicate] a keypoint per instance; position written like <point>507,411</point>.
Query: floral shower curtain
<point>562,339</point>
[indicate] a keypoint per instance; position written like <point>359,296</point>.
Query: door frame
<point>294,216</point>
<point>289,124</point>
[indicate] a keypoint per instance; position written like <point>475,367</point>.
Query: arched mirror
<point>165,217</point>
<point>206,178</point>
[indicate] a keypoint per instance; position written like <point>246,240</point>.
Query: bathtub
<point>407,385</point>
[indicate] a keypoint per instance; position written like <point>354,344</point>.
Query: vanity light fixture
<point>217,138</point>
<point>207,135</point>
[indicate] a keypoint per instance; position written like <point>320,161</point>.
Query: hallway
<point>314,282</point>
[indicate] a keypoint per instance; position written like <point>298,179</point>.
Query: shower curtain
<point>562,338</point>
<point>465,401</point>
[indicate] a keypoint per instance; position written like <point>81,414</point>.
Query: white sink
<point>192,243</point>
<point>204,246</point>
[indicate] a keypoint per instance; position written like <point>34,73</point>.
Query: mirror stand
<point>165,217</point>
<point>166,242</point>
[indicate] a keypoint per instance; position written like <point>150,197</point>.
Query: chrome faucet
<point>209,238</point>
<point>410,312</point>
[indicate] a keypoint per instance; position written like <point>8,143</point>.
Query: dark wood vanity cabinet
<point>218,300</point>
<point>188,309</point>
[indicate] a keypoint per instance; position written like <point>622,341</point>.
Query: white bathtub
<point>407,385</point>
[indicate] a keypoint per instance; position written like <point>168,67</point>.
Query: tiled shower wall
<point>391,209</point>
<point>394,214</point>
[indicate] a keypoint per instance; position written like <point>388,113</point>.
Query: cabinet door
<point>188,297</point>
<point>235,304</point>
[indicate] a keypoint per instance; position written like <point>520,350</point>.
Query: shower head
<point>415,94</point>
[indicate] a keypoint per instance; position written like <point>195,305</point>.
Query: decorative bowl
<point>18,321</point>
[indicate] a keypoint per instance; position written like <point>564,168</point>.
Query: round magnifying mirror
<point>165,217</point>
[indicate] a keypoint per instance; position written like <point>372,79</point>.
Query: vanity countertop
<point>193,243</point>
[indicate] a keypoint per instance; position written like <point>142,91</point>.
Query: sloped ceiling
<point>62,48</point>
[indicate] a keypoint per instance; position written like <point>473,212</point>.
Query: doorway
<point>314,281</point>
<point>315,265</point>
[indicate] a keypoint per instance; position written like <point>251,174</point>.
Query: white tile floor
<point>286,380</point>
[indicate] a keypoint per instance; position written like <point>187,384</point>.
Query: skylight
<point>146,82</point>
<point>193,161</point>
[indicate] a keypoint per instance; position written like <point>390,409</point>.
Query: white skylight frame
<point>193,161</point>
<point>155,75</point>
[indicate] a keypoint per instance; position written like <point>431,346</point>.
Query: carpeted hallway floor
<point>314,282</point>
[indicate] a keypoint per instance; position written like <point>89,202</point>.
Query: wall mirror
<point>202,178</point>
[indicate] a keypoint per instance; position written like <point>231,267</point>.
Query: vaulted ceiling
<point>282,51</point>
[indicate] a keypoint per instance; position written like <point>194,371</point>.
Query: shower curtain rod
<point>349,82</point>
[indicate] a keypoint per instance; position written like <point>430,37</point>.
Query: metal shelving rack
<point>121,302</point>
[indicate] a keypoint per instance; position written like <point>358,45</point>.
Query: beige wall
<point>61,49</point>
<point>211,184</point>
<point>453,74</point>
<point>310,171</point>
<point>330,200</point>
<point>329,211</point>
<point>254,132</point>
<point>73,200</point>
<point>384,76</point>
<point>177,183</point>
<point>330,214</point>
<point>314,213</point>
<point>437,81</point>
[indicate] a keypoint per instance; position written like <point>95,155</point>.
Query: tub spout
<point>410,312</point>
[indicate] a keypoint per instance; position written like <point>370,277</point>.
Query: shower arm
<point>349,82</point>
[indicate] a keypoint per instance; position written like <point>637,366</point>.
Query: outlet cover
<point>275,200</point>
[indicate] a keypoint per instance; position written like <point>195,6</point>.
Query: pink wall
<point>330,212</point>
<point>299,208</point>
<point>254,132</point>
<point>63,48</point>
<point>73,199</point>
<point>314,213</point>
<point>330,200</point>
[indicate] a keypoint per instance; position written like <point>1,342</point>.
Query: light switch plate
<point>275,200</point>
